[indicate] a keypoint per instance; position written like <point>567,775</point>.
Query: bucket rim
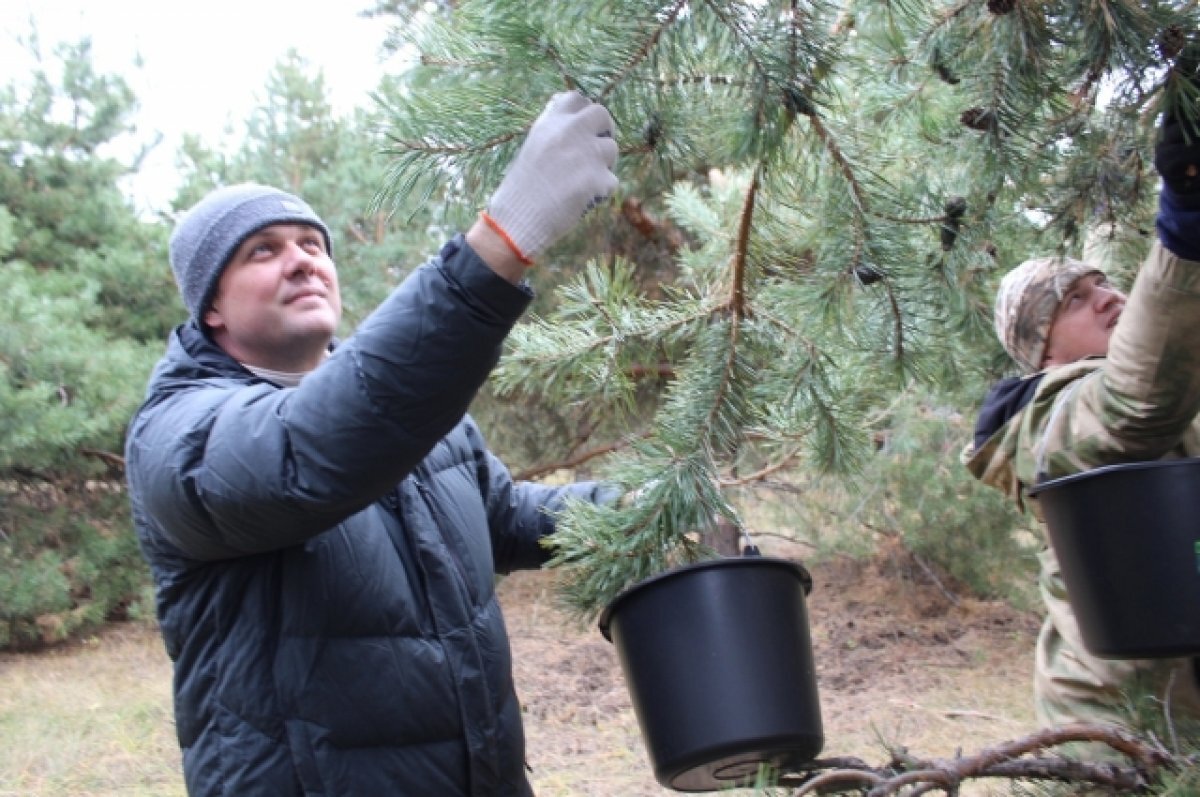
<point>1105,470</point>
<point>798,569</point>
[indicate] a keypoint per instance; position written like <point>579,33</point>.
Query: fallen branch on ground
<point>1027,758</point>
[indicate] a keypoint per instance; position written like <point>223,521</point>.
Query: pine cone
<point>940,68</point>
<point>1171,42</point>
<point>653,132</point>
<point>955,208</point>
<point>797,102</point>
<point>949,233</point>
<point>982,119</point>
<point>867,275</point>
<point>1001,7</point>
<point>945,74</point>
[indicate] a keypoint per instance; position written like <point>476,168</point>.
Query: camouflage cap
<point>1027,301</point>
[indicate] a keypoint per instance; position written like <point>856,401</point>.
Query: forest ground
<point>901,660</point>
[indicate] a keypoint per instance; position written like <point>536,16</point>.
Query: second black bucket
<point>1127,538</point>
<point>717,657</point>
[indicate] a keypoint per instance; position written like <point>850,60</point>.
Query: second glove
<point>1177,159</point>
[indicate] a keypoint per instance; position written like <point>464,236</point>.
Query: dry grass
<point>91,719</point>
<point>894,665</point>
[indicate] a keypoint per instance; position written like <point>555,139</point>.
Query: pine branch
<point>644,51</point>
<point>921,220</point>
<point>726,380</point>
<point>114,460</point>
<point>356,233</point>
<point>897,322</point>
<point>718,10</point>
<point>577,342</point>
<point>571,463</point>
<point>1007,760</point>
<point>648,225</point>
<point>783,462</point>
<point>447,63</point>
<point>661,371</point>
<point>737,298</point>
<point>813,253</point>
<point>835,152</point>
<point>862,207</point>
<point>459,150</point>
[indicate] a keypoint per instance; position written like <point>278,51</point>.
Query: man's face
<point>1085,320</point>
<point>277,303</point>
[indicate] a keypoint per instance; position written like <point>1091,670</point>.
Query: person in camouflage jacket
<point>1106,379</point>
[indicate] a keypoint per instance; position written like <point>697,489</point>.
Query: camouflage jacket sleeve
<point>1139,403</point>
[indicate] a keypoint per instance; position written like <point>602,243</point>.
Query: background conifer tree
<point>84,307</point>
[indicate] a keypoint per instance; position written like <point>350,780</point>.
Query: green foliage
<point>853,177</point>
<point>83,285</point>
<point>913,491</point>
<point>65,390</point>
<point>85,304</point>
<point>946,517</point>
<point>62,199</point>
<point>68,562</point>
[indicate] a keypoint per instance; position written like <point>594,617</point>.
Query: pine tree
<point>84,306</point>
<point>853,178</point>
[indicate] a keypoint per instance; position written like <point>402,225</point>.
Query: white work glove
<point>564,168</point>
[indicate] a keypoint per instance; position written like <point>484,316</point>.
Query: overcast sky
<point>204,64</point>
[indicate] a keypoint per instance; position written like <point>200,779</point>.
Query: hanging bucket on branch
<point>1127,538</point>
<point>717,657</point>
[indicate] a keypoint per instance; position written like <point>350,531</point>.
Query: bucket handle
<point>750,550</point>
<point>749,546</point>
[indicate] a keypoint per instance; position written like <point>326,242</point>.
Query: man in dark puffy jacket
<point>323,524</point>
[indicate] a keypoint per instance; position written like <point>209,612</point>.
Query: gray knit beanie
<point>206,237</point>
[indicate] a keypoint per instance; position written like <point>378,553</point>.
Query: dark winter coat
<point>323,555</point>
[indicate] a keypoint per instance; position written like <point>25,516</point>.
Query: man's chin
<point>314,319</point>
<point>314,332</point>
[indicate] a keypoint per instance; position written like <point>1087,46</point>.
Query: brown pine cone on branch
<point>1171,42</point>
<point>982,119</point>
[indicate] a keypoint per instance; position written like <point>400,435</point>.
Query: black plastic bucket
<point>1127,538</point>
<point>718,661</point>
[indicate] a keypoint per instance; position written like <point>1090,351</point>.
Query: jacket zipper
<point>441,523</point>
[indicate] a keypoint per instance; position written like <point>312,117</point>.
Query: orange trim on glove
<point>496,228</point>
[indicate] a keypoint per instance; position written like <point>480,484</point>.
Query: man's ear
<point>212,318</point>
